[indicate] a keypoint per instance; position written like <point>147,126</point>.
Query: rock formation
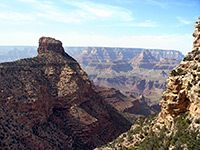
<point>144,60</point>
<point>116,65</point>
<point>47,102</point>
<point>128,104</point>
<point>132,71</point>
<point>182,92</point>
<point>110,67</point>
<point>196,34</point>
<point>48,44</point>
<point>177,126</point>
<point>91,56</point>
<point>166,63</point>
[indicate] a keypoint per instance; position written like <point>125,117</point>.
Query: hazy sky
<point>163,24</point>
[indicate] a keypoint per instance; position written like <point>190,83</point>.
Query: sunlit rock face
<point>183,86</point>
<point>196,34</point>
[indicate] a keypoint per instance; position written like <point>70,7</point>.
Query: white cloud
<point>83,11</point>
<point>146,23</point>
<point>185,3</point>
<point>184,21</point>
<point>41,11</point>
<point>3,5</point>
<point>59,16</point>
<point>28,1</point>
<point>158,3</point>
<point>14,16</point>
<point>103,11</point>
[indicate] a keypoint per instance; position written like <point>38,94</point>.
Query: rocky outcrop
<point>177,126</point>
<point>182,92</point>
<point>47,102</point>
<point>48,44</point>
<point>196,34</point>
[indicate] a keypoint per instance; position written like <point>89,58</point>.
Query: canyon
<point>132,71</point>
<point>177,126</point>
<point>48,102</point>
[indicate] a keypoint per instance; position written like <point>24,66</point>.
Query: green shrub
<point>197,121</point>
<point>141,136</point>
<point>189,86</point>
<point>188,58</point>
<point>176,72</point>
<point>131,148</point>
<point>195,67</point>
<point>196,53</point>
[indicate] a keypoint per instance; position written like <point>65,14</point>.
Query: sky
<point>160,24</point>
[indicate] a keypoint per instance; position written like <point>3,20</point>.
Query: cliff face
<point>47,102</point>
<point>132,71</point>
<point>183,90</point>
<point>166,63</point>
<point>144,60</point>
<point>91,56</point>
<point>177,126</point>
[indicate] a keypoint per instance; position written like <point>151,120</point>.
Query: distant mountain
<point>127,69</point>
<point>48,102</point>
<point>73,51</point>
<point>177,126</point>
<point>92,55</point>
<point>144,60</point>
<point>11,53</point>
<point>166,63</point>
<point>132,71</point>
<point>116,65</point>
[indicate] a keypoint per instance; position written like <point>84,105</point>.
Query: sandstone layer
<point>177,126</point>
<point>144,60</point>
<point>47,102</point>
<point>183,86</point>
<point>132,71</point>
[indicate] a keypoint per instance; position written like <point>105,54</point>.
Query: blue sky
<point>162,24</point>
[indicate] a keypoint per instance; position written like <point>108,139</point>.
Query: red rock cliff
<point>47,103</point>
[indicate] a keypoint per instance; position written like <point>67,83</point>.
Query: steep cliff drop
<point>47,102</point>
<point>177,126</point>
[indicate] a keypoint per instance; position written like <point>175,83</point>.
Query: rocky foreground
<point>48,102</point>
<point>177,126</point>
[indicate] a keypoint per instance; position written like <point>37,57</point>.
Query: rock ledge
<point>48,44</point>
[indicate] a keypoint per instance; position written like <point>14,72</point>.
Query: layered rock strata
<point>47,102</point>
<point>144,60</point>
<point>177,126</point>
<point>183,86</point>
